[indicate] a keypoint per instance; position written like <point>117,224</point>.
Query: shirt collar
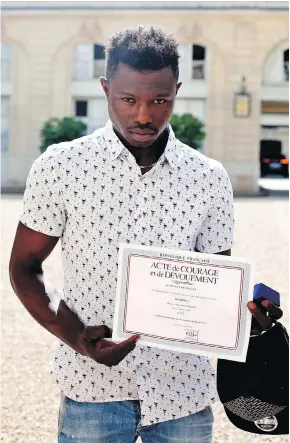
<point>172,151</point>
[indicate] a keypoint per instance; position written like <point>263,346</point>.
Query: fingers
<point>256,329</point>
<point>122,349</point>
<point>96,348</point>
<point>127,344</point>
<point>260,316</point>
<point>109,353</point>
<point>93,333</point>
<point>265,314</point>
<point>133,338</point>
<point>274,312</point>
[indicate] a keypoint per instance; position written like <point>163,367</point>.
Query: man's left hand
<point>264,314</point>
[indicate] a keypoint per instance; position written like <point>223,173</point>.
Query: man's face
<point>140,103</point>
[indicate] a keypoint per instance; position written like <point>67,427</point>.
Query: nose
<point>143,116</point>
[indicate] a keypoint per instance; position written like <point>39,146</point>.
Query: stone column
<point>241,151</point>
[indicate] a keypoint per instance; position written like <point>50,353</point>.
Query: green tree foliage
<point>188,129</point>
<point>58,130</point>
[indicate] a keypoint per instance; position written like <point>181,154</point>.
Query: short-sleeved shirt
<point>92,194</point>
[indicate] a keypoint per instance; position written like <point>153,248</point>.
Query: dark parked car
<point>278,164</point>
<point>272,160</point>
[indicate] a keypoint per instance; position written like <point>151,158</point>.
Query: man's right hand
<point>92,343</point>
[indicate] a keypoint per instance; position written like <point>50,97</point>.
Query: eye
<point>129,100</point>
<point>159,101</point>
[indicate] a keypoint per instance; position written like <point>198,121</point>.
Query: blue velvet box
<point>263,292</point>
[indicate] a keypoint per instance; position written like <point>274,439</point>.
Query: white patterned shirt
<point>91,193</point>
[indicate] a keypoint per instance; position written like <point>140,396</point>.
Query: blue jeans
<point>118,422</point>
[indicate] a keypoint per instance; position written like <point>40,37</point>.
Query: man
<point>133,182</point>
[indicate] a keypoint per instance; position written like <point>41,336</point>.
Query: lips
<point>142,132</point>
<point>143,137</point>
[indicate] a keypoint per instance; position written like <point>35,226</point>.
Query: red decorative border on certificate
<point>176,339</point>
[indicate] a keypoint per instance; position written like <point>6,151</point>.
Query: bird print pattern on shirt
<point>91,193</point>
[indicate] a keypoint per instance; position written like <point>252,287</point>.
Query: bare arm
<point>29,251</point>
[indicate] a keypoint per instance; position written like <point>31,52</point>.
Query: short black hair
<point>142,49</point>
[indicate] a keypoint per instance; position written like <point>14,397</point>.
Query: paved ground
<point>30,398</point>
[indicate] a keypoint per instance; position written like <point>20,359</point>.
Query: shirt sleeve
<point>217,231</point>
<point>43,207</point>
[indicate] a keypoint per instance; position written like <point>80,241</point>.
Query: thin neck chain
<point>147,166</point>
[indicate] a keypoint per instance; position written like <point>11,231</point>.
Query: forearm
<point>30,289</point>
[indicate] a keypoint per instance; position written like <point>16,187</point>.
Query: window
<point>81,108</point>
<point>198,62</point>
<point>99,61</point>
<point>286,65</point>
<point>89,61</point>
<point>5,118</point>
<point>276,66</point>
<point>5,62</point>
<point>82,62</point>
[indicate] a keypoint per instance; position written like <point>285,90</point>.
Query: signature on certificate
<point>194,333</point>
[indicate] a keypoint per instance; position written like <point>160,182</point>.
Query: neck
<point>150,155</point>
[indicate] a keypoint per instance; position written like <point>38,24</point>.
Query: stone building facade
<point>50,65</point>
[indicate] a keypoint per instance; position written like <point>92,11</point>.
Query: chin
<point>142,145</point>
<point>137,143</point>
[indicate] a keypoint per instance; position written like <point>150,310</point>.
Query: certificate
<point>184,301</point>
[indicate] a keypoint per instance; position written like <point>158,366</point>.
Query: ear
<point>178,87</point>
<point>105,85</point>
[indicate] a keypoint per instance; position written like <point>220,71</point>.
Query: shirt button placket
<point>141,194</point>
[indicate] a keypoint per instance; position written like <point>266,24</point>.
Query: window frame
<point>285,64</point>
<point>84,100</point>
<point>8,60</point>
<point>201,62</point>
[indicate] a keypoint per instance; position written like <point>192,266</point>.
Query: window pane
<point>198,52</point>
<point>198,70</point>
<point>286,65</point>
<point>5,52</point>
<point>82,61</point>
<point>5,106</point>
<point>198,62</point>
<point>81,70</point>
<point>5,118</point>
<point>81,108</point>
<point>286,71</point>
<point>4,141</point>
<point>99,68</point>
<point>99,52</point>
<point>5,70</point>
<point>82,51</point>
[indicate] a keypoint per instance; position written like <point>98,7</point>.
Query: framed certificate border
<point>238,349</point>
